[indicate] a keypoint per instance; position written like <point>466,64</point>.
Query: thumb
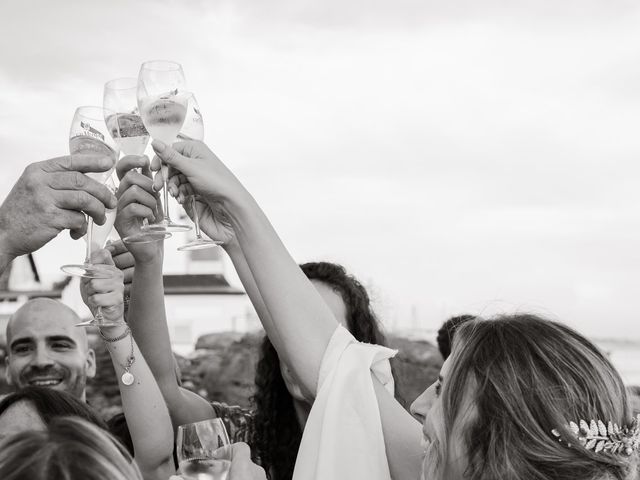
<point>170,156</point>
<point>102,257</point>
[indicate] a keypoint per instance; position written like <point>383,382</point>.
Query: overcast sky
<point>457,157</point>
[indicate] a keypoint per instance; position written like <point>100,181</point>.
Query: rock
<point>223,366</point>
<point>415,367</point>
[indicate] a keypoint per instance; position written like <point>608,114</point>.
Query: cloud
<point>452,155</point>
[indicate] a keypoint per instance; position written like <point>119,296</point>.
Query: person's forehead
<point>39,323</point>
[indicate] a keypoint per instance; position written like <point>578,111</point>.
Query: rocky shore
<point>223,366</point>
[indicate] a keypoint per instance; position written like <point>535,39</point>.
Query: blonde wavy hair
<point>524,376</point>
<point>70,449</point>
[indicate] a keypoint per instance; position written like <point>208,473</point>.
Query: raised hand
<point>124,262</point>
<point>106,293</point>
<point>51,196</point>
<point>212,216</point>
<point>137,200</point>
<point>204,171</point>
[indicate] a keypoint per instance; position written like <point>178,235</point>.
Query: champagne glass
<point>163,106</point>
<point>195,445</point>
<point>193,129</point>
<point>127,129</point>
<point>89,135</point>
<point>97,237</point>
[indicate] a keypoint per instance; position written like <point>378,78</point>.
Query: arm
<point>216,224</point>
<point>308,340</point>
<point>146,313</point>
<point>144,408</point>
<point>299,323</point>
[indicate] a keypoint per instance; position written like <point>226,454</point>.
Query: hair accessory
<point>609,439</point>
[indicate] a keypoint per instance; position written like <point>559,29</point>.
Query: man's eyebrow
<point>61,338</point>
<point>20,341</point>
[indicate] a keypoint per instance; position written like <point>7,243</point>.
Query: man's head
<point>448,330</point>
<point>46,349</point>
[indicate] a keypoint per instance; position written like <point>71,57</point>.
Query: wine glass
<point>97,236</point>
<point>127,129</point>
<point>163,105</point>
<point>89,135</point>
<point>195,444</point>
<point>193,129</point>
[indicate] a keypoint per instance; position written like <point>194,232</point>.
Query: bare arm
<point>144,407</point>
<point>147,315</point>
<point>148,321</point>
<point>299,323</point>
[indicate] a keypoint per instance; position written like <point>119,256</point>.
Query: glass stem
<point>89,240</point>
<point>88,259</point>
<point>145,221</point>
<point>196,220</point>
<point>165,179</point>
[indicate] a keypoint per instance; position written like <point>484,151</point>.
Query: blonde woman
<point>70,448</point>
<point>507,400</point>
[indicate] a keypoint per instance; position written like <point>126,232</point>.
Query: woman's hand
<point>212,217</point>
<point>124,262</point>
<point>204,171</point>
<point>106,293</point>
<point>242,468</point>
<point>136,201</point>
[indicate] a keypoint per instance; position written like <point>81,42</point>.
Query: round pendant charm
<point>127,378</point>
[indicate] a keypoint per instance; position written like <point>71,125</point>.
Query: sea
<point>623,353</point>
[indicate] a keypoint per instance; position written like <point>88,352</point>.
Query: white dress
<point>343,437</point>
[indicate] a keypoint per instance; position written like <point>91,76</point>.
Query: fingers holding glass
<point>137,203</point>
<point>104,296</point>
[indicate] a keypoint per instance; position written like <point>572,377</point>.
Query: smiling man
<point>46,349</point>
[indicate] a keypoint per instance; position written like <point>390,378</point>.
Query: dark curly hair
<point>277,434</point>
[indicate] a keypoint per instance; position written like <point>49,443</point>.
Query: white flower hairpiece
<point>609,439</point>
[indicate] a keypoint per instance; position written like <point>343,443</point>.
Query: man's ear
<point>90,369</point>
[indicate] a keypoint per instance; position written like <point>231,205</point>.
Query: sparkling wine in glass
<point>195,445</point>
<point>89,135</point>
<point>162,102</point>
<point>193,129</point>
<point>126,127</point>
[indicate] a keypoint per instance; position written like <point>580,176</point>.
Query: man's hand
<point>49,197</point>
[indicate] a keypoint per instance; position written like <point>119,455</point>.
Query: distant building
<point>202,293</point>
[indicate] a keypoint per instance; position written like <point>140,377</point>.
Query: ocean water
<point>625,356</point>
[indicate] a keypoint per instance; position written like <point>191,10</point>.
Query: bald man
<point>46,349</point>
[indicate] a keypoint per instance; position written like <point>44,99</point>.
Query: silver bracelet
<point>122,336</point>
<point>127,377</point>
